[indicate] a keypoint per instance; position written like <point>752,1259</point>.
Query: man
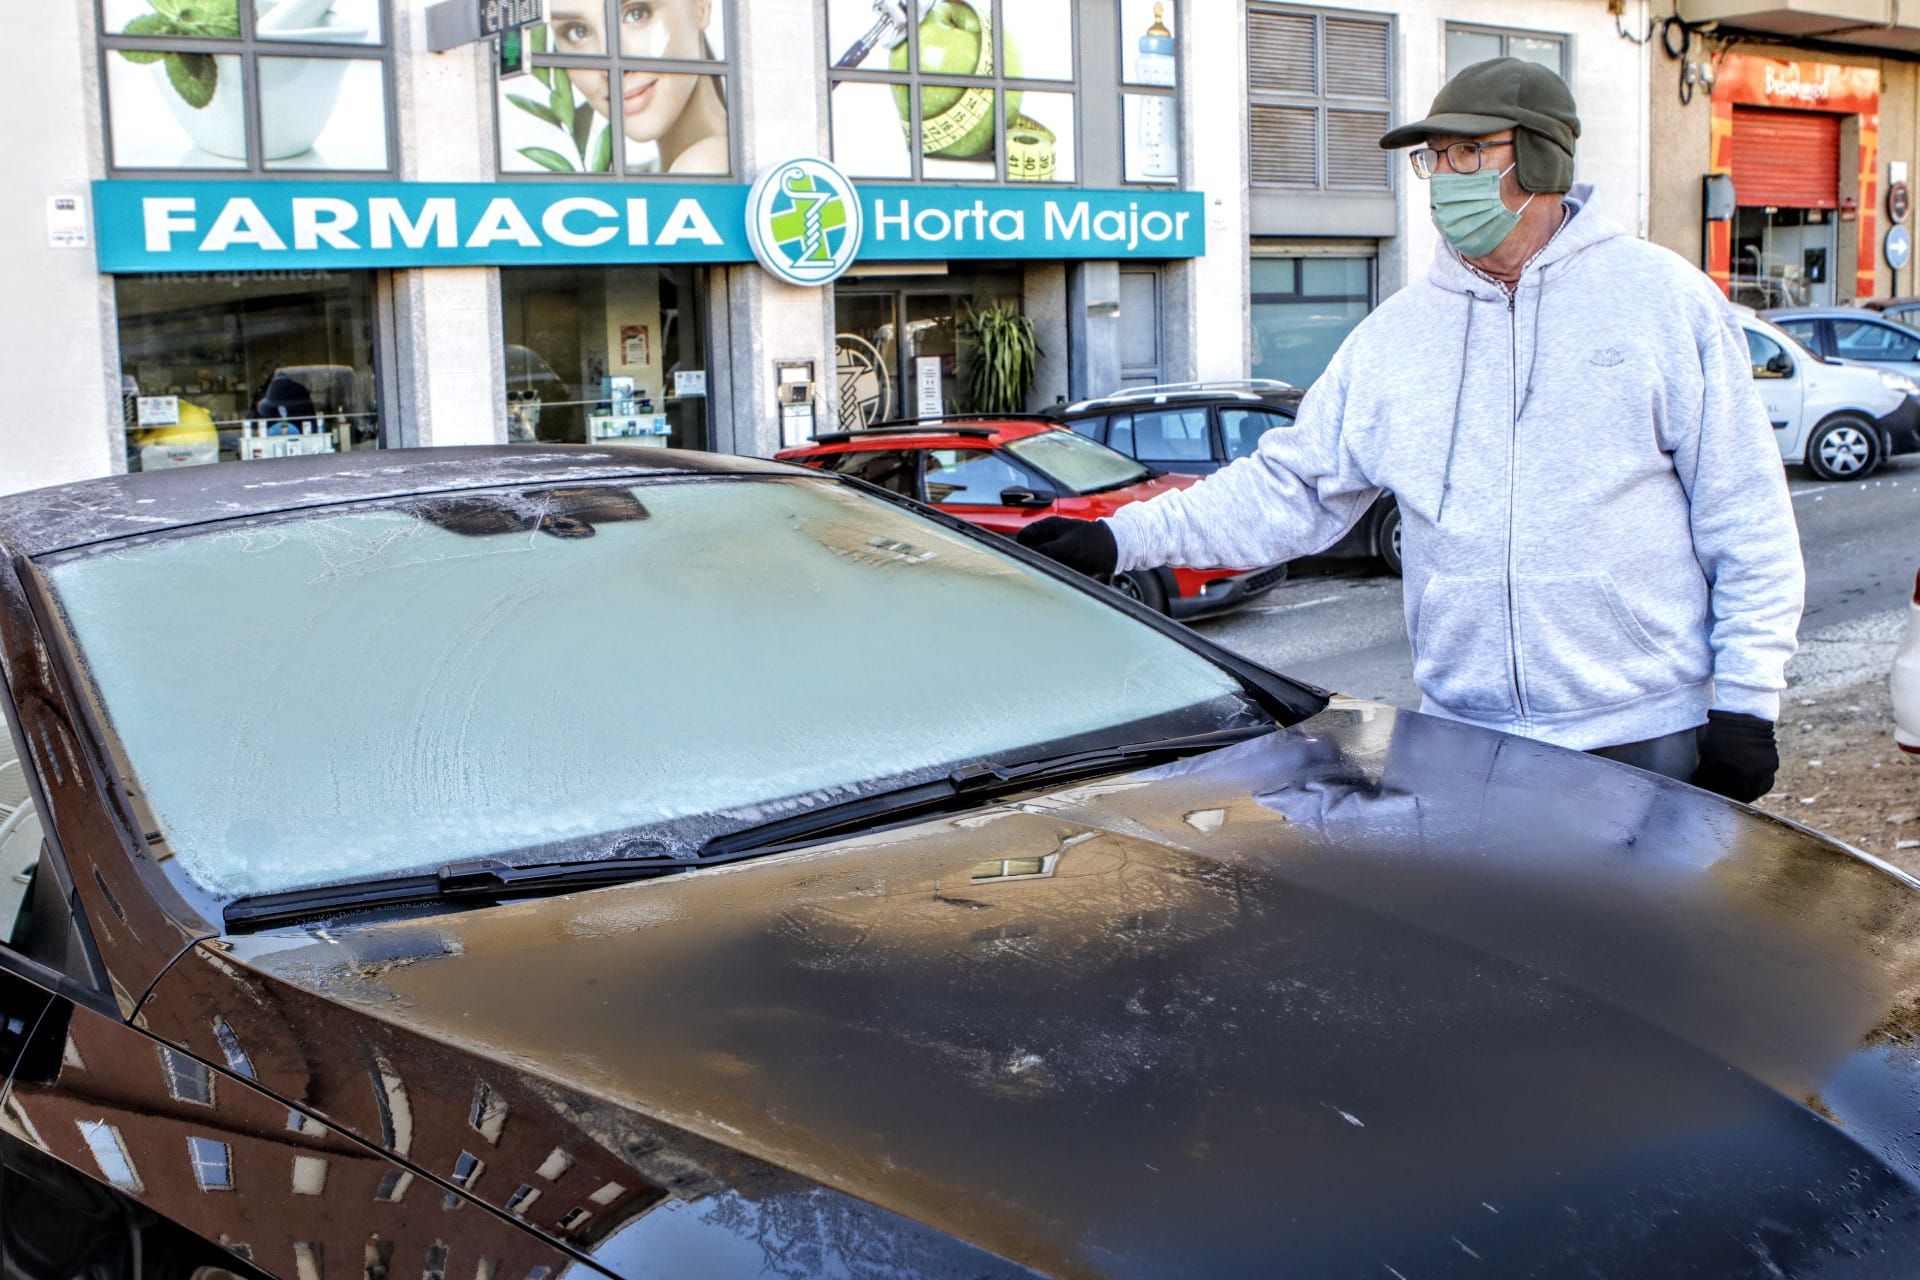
<point>1599,547</point>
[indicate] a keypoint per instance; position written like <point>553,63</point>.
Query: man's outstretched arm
<point>1294,495</point>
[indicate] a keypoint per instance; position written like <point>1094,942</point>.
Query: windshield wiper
<point>476,878</point>
<point>492,878</point>
<point>966,785</point>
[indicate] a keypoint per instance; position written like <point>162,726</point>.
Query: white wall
<point>1213,76</point>
<point>61,414</point>
<point>448,372</point>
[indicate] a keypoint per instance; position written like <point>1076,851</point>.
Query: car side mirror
<point>1778,366</point>
<point>1018,495</point>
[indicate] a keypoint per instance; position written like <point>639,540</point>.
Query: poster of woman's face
<point>568,118</point>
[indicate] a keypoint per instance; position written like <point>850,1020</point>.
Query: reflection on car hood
<point>1379,995</point>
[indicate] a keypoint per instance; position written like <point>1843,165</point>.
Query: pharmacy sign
<point>803,221</point>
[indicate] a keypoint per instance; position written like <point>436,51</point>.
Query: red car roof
<point>983,433</point>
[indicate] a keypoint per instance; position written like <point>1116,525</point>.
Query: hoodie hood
<point>1587,225</point>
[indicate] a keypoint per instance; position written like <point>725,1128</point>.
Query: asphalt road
<point>1339,623</point>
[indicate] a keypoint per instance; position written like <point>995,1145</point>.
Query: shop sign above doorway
<point>246,225</point>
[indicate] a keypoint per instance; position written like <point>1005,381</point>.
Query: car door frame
<point>1792,438</point>
<point>994,517</point>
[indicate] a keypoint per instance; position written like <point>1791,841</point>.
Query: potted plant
<point>297,95</point>
<point>1005,353</point>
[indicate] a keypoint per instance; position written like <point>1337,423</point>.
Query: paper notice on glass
<point>66,222</point>
<point>157,411</point>
<point>689,382</point>
<point>926,383</point>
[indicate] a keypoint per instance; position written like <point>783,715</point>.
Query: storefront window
<point>228,366</point>
<point>260,86</point>
<point>605,354</point>
<point>669,58</point>
<point>986,86</point>
<point>1303,309</point>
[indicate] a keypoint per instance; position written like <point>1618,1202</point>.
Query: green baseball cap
<point>1506,93</point>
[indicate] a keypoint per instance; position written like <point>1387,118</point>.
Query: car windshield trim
<point>1284,700</point>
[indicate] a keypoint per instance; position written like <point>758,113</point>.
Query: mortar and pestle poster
<point>175,109</point>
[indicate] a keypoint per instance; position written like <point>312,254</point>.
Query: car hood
<point>1377,995</point>
<point>1092,506</point>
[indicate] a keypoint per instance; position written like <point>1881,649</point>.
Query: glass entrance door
<point>1784,257</point>
<point>883,332</point>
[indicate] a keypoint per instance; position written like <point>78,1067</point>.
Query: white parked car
<point>1840,421</point>
<point>1906,681</point>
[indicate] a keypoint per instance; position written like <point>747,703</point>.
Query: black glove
<point>1086,545</point>
<point>1738,758</point>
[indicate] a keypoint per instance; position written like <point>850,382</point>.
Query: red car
<point>1002,473</point>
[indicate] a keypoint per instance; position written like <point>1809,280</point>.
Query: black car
<point>1195,428</point>
<point>517,863</point>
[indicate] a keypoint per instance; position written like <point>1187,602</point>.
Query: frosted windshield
<point>1077,462</point>
<point>384,689</point>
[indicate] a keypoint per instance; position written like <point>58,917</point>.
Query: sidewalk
<point>1839,770</point>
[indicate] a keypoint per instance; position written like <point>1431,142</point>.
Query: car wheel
<point>1142,586</point>
<point>1387,539</point>
<point>1844,447</point>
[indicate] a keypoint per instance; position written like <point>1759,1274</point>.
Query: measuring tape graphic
<point>1030,144</point>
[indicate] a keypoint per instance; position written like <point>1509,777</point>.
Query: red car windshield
<point>1077,463</point>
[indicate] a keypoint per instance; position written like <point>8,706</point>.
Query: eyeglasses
<point>1462,157</point>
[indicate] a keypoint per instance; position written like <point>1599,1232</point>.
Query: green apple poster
<point>995,89</point>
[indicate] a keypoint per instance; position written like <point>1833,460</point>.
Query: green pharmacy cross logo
<point>803,221</point>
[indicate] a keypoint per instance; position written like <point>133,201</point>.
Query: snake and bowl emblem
<point>803,221</point>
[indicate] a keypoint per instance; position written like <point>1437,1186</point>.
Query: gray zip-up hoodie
<point>1597,537</point>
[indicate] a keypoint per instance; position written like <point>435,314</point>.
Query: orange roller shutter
<point>1786,158</point>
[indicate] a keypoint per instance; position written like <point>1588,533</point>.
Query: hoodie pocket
<point>1459,636</point>
<point>1582,648</point>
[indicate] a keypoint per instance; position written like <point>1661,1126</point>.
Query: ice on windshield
<point>355,695</point>
<point>1076,461</point>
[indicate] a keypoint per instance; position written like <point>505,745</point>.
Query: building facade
<point>288,226</point>
<point>1784,140</point>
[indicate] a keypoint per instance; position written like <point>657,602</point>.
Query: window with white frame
<point>212,1164</point>
<point>1468,44</point>
<point>252,86</point>
<point>187,1078</point>
<point>1320,89</point>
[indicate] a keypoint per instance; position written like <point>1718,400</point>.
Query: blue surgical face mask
<point>1469,212</point>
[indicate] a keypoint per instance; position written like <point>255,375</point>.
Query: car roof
<point>959,429</point>
<point>1823,313</point>
<point>1859,314</point>
<point>1249,391</point>
<point>42,520</point>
